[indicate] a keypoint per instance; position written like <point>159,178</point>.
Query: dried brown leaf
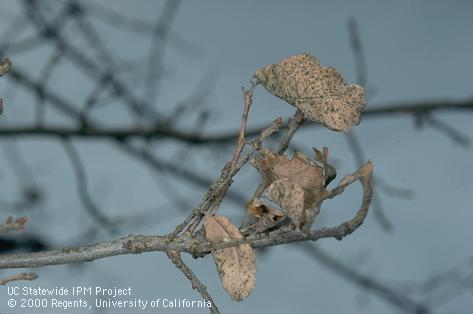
<point>330,172</point>
<point>289,196</point>
<point>236,265</point>
<point>318,91</point>
<point>300,170</point>
<point>5,66</point>
<point>259,209</point>
<point>267,216</point>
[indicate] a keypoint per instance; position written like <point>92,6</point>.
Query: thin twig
<point>295,122</point>
<point>247,100</point>
<point>378,210</point>
<point>195,282</point>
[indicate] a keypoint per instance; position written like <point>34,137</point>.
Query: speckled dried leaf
<point>5,66</point>
<point>289,196</point>
<point>267,216</point>
<point>236,265</point>
<point>318,91</point>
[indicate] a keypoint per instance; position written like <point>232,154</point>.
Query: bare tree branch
<point>166,131</point>
<point>198,245</point>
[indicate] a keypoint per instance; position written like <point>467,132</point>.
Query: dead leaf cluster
<point>297,185</point>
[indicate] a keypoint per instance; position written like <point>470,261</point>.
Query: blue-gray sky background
<point>415,50</point>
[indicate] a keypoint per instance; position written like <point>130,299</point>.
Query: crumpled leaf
<point>330,172</point>
<point>290,196</point>
<point>319,92</point>
<point>297,185</point>
<point>236,265</point>
<point>300,170</point>
<point>267,216</point>
<point>5,66</point>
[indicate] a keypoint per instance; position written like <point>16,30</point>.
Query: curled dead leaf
<point>301,170</point>
<point>236,265</point>
<point>267,216</point>
<point>290,196</point>
<point>259,210</point>
<point>297,185</point>
<point>5,66</point>
<point>319,92</point>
